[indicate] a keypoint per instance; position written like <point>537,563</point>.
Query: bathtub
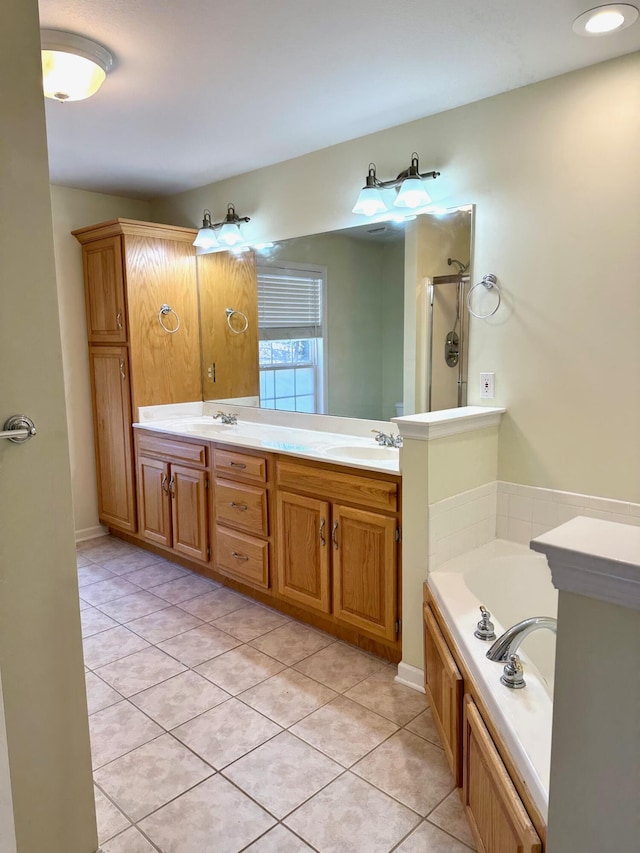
<point>513,583</point>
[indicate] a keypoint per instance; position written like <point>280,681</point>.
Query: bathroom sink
<point>363,453</point>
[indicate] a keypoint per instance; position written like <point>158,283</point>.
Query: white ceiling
<point>206,89</point>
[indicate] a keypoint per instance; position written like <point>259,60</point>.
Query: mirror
<point>350,321</point>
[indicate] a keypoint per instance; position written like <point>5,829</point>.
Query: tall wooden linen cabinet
<point>131,270</point>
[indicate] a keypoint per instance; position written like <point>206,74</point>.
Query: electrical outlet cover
<point>487,386</point>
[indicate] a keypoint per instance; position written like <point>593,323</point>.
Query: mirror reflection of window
<point>291,337</point>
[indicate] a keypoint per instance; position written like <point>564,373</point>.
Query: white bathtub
<point>513,583</point>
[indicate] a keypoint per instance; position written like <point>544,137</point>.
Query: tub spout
<point>509,643</point>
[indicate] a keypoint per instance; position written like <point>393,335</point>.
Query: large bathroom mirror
<point>366,322</point>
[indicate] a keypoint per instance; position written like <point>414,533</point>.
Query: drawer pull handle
<point>323,521</point>
<point>164,484</point>
<point>334,535</point>
<point>172,486</point>
<point>237,465</point>
<point>239,556</point>
<point>241,507</point>
<point>123,375</point>
<point>119,319</point>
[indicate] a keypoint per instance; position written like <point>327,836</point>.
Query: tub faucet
<point>226,418</point>
<point>509,643</point>
<point>385,440</point>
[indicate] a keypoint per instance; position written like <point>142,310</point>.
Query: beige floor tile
<point>283,773</point>
<point>139,671</point>
<point>424,726</point>
<point>226,733</point>
<point>340,666</point>
<point>164,624</point>
<point>134,606</point>
<point>199,645</point>
<point>117,730</point>
<point>179,699</point>
<point>130,841</point>
<point>287,697</point>
<point>105,548</point>
<point>292,642</point>
<point>109,590</point>
<point>450,816</point>
<point>82,560</point>
<point>99,694</point>
<point>83,605</point>
<point>214,816</point>
<point>344,730</point>
<point>428,839</point>
<point>92,574</point>
<point>350,816</point>
<point>94,621</point>
<point>214,604</point>
<point>279,840</point>
<point>127,563</point>
<point>250,622</point>
<point>110,820</point>
<point>158,573</point>
<point>425,778</point>
<point>184,588</point>
<point>150,776</point>
<point>111,645</point>
<point>239,669</point>
<point>386,697</point>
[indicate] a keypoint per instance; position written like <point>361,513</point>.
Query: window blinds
<point>289,304</point>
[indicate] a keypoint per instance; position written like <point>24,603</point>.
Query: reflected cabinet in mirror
<point>366,322</point>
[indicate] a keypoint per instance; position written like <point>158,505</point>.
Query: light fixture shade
<point>412,193</point>
<point>606,19</point>
<point>230,234</point>
<point>73,67</point>
<point>206,239</point>
<point>370,202</point>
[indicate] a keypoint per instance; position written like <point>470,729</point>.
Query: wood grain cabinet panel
<point>241,506</point>
<point>242,557</point>
<point>444,688</point>
<point>303,552</point>
<point>189,515</point>
<point>240,466</point>
<point>365,570</point>
<point>109,371</point>
<point>154,506</point>
<point>105,291</point>
<point>497,816</point>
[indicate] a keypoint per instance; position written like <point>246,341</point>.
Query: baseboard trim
<point>410,676</point>
<point>91,533</point>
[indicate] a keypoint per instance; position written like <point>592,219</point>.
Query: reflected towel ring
<point>164,310</point>
<point>489,282</point>
<point>230,312</point>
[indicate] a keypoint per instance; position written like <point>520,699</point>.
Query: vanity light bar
<point>411,194</point>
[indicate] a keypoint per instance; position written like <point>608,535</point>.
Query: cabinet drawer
<point>241,506</point>
<point>241,465</point>
<point>365,491</point>
<point>498,819</point>
<point>172,449</point>
<point>242,557</point>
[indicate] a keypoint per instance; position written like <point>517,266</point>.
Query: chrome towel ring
<point>164,310</point>
<point>489,282</point>
<point>230,312</point>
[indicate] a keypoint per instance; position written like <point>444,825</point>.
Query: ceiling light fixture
<point>73,67</point>
<point>603,20</point>
<point>409,184</point>
<point>227,232</point>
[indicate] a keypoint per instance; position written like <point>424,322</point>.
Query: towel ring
<point>164,310</point>
<point>489,282</point>
<point>230,312</point>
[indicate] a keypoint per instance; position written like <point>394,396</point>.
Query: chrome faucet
<point>385,440</point>
<point>226,418</point>
<point>509,643</point>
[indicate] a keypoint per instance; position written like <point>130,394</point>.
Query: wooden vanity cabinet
<point>172,496</point>
<point>334,557</point>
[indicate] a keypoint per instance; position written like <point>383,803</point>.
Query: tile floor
<point>219,725</point>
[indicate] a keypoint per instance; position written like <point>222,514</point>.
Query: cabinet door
<point>498,819</point>
<point>303,551</point>
<point>104,291</point>
<point>188,489</point>
<point>444,687</point>
<point>365,570</point>
<point>112,432</point>
<point>153,500</point>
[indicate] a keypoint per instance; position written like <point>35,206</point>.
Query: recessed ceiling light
<point>605,19</point>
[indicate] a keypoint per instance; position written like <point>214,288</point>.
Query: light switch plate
<point>487,385</point>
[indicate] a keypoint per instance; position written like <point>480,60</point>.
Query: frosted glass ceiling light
<point>73,67</point>
<point>603,20</point>
<point>206,238</point>
<point>409,184</point>
<point>226,233</point>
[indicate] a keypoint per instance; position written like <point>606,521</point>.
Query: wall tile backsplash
<point>509,511</point>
